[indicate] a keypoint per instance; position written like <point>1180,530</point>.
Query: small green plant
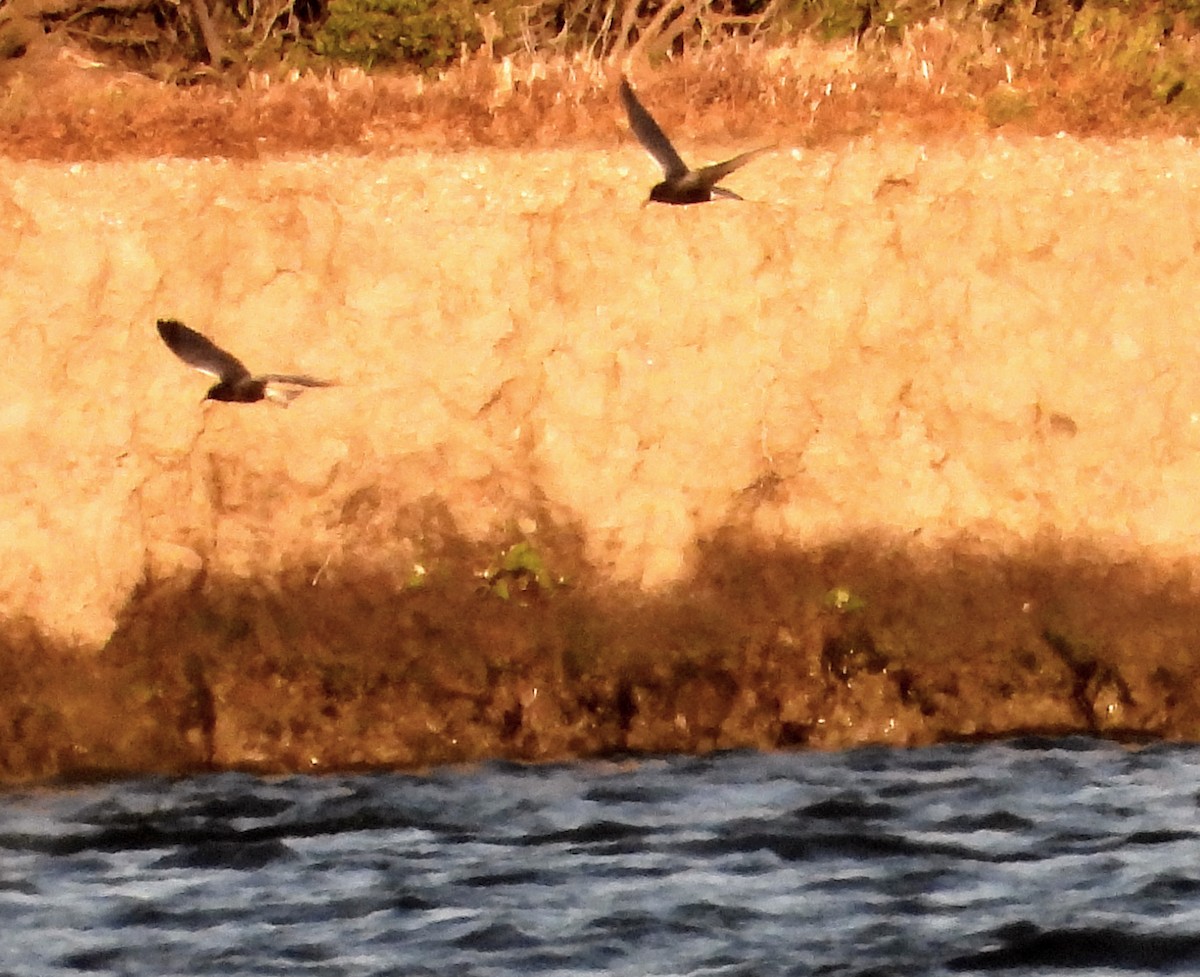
<point>843,600</point>
<point>418,577</point>
<point>521,569</point>
<point>425,33</point>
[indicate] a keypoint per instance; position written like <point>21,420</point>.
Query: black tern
<point>681,184</point>
<point>235,383</point>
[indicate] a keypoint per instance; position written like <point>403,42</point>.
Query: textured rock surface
<point>978,346</point>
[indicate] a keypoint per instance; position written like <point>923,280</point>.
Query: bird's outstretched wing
<point>299,380</point>
<point>200,352</point>
<point>709,175</point>
<point>651,136</point>
<point>283,388</point>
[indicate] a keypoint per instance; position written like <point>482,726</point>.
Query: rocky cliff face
<point>974,354</point>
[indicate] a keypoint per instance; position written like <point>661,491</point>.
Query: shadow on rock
<point>516,648</point>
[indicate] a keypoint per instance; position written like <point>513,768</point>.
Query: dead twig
<point>218,54</point>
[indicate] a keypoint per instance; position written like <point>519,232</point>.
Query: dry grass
<point>1088,77</point>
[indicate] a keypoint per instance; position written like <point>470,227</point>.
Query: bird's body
<point>235,384</point>
<point>680,184</point>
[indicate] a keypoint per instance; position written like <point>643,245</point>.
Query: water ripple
<point>1031,858</point>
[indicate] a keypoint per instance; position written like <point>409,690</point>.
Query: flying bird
<point>234,381</point>
<point>681,184</point>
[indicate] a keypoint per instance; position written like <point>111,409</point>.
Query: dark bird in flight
<point>234,381</point>
<point>681,185</point>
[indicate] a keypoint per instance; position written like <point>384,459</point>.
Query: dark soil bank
<point>864,642</point>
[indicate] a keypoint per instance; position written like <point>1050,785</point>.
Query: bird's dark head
<point>660,193</point>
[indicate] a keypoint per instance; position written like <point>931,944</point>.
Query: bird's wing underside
<point>650,135</point>
<point>200,352</point>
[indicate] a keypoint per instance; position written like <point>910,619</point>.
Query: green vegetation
<point>520,569</point>
<point>844,600</point>
<point>1006,105</point>
<point>423,33</point>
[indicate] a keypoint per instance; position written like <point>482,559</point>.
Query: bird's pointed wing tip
<point>651,136</point>
<point>296,380</point>
<point>628,95</point>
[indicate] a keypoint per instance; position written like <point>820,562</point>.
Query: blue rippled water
<point>1031,858</point>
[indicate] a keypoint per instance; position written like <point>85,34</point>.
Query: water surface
<point>1031,858</point>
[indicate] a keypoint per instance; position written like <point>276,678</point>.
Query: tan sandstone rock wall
<point>981,339</point>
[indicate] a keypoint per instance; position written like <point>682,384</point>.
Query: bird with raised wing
<point>680,185</point>
<point>234,382</point>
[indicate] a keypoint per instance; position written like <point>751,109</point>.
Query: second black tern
<point>234,382</point>
<point>681,185</point>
